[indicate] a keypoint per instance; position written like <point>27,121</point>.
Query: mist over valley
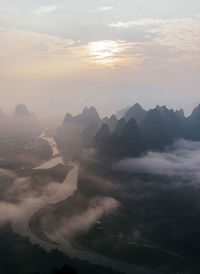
<point>119,192</point>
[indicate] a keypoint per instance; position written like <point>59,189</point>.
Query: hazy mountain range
<point>136,195</point>
<point>129,133</point>
<point>137,131</point>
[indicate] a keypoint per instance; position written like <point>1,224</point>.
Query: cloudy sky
<point>62,55</point>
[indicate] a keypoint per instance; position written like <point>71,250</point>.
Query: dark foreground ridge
<point>19,256</point>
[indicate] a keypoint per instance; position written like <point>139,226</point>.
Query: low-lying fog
<point>180,159</point>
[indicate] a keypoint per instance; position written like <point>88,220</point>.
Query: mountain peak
<point>153,118</point>
<point>138,106</point>
<point>88,115</point>
<point>89,110</point>
<point>113,117</point>
<point>111,122</point>
<point>196,111</point>
<point>68,117</point>
<point>85,110</point>
<point>121,113</point>
<point>135,112</point>
<point>180,113</point>
<point>22,110</point>
<point>162,108</point>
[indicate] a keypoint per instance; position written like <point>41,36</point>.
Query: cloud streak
<point>45,9</point>
<point>106,8</point>
<point>152,22</point>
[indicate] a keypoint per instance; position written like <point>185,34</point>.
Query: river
<point>66,189</point>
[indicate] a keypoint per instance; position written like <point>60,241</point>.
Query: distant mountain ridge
<point>88,115</point>
<point>21,123</point>
<point>77,132</point>
<point>135,112</point>
<point>22,110</point>
<point>120,113</point>
<point>136,132</point>
<point>156,128</point>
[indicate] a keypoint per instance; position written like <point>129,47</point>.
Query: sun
<point>106,51</point>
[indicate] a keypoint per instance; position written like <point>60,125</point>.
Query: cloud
<point>106,8</point>
<point>31,53</point>
<point>82,222</point>
<point>46,9</point>
<point>197,15</point>
<point>17,213</point>
<point>20,196</point>
<point>155,42</point>
<point>140,22</point>
<point>181,159</point>
<point>8,212</point>
<point>19,186</point>
<point>26,42</point>
<point>8,9</point>
<point>148,22</point>
<point>7,173</point>
<point>177,36</point>
<point>107,51</point>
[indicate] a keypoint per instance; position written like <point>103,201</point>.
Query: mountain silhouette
<point>135,112</point>
<point>88,115</point>
<point>137,132</point>
<point>111,122</point>
<point>192,127</point>
<point>22,110</point>
<point>77,132</point>
<point>121,113</point>
<point>125,141</point>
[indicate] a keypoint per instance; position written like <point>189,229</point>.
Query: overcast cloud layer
<point>99,51</point>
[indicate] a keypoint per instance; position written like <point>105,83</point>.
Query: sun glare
<point>105,52</point>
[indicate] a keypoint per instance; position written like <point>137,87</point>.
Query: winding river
<point>66,189</point>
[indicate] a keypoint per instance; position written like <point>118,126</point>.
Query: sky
<point>59,56</point>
